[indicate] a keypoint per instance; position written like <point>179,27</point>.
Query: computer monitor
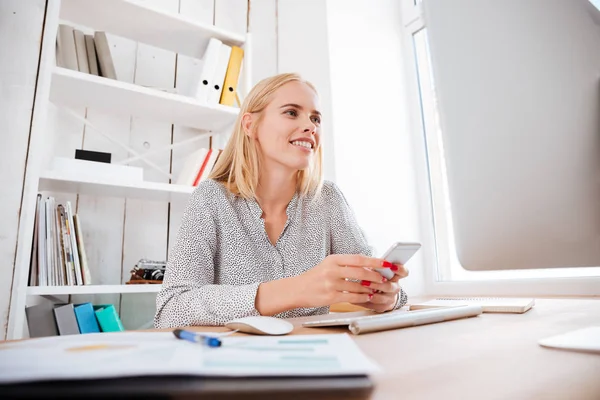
<point>518,88</point>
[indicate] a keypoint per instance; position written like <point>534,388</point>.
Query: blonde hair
<point>238,165</point>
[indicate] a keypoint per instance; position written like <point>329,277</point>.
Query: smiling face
<point>289,131</point>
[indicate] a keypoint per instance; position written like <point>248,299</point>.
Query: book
<point>90,49</point>
<point>64,314</point>
<point>85,270</point>
<point>82,60</point>
<point>86,318</point>
<point>108,319</point>
<point>40,320</point>
<point>33,270</point>
<point>73,243</point>
<point>192,165</point>
<point>105,61</point>
<point>488,304</point>
<point>232,76</point>
<point>65,48</point>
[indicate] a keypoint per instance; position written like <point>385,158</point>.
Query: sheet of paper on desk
<point>119,354</point>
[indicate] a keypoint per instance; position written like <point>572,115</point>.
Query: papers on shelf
<point>109,355</point>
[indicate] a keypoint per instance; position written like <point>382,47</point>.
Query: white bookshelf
<point>67,88</point>
<point>92,289</point>
<point>56,182</point>
<point>76,89</point>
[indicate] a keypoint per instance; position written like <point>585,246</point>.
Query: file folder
<point>232,76</point>
<point>108,319</point>
<point>209,64</point>
<point>86,318</point>
<point>214,94</point>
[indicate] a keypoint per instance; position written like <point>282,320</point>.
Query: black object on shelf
<point>89,155</point>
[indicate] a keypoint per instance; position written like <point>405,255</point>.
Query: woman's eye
<point>293,113</point>
<point>315,119</point>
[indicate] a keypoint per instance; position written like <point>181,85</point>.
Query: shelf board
<point>78,89</point>
<point>57,182</point>
<point>148,25</point>
<point>91,289</point>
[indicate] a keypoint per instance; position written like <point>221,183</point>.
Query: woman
<point>264,235</point>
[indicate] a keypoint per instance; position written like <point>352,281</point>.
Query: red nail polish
<point>365,283</point>
<point>387,264</point>
<point>394,268</point>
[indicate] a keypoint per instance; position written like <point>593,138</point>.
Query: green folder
<point>108,319</point>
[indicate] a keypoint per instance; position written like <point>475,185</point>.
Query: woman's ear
<point>247,124</point>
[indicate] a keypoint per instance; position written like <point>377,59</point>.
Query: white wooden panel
<point>75,88</point>
<point>263,27</point>
<point>149,23</point>
<point>232,15</point>
<point>102,217</point>
<point>303,47</point>
<point>21,26</point>
<point>187,77</point>
<point>146,223</point>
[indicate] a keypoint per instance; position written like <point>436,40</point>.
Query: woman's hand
<point>387,293</point>
<point>329,282</point>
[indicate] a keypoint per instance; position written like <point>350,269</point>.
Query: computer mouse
<point>261,325</point>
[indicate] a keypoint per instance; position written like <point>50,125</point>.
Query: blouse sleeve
<point>188,295</point>
<point>345,234</point>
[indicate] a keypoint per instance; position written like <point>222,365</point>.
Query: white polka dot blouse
<point>222,253</point>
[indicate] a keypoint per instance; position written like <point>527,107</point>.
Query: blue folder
<point>86,318</point>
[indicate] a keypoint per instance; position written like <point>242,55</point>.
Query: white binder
<point>209,64</point>
<point>214,95</point>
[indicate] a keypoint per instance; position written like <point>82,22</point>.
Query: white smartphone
<point>398,253</point>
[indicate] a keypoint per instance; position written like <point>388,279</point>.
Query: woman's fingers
<point>361,274</point>
<point>400,273</point>
<point>355,298</point>
<point>383,298</point>
<point>358,260</point>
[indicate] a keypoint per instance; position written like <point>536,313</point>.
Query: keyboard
<point>394,319</point>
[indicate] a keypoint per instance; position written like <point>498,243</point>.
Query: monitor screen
<point>518,88</point>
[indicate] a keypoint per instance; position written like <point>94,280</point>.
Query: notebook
<point>488,304</point>
<point>392,320</point>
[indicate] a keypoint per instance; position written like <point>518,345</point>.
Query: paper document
<point>118,354</point>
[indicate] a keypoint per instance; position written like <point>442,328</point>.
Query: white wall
<point>374,144</point>
<point>20,33</point>
<point>302,47</point>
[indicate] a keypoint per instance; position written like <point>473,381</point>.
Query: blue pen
<point>197,338</point>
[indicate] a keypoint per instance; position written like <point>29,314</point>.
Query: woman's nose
<point>310,127</point>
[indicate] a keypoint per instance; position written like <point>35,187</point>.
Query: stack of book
<point>85,53</point>
<point>198,166</point>
<point>49,319</point>
<point>58,255</point>
<point>219,76</point>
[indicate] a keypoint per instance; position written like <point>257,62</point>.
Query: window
<point>448,265</point>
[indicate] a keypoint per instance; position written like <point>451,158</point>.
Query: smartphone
<point>398,253</point>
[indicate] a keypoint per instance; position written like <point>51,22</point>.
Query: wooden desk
<point>493,356</point>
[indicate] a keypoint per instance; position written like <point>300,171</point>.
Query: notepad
<point>488,304</point>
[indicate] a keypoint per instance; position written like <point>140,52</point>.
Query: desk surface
<point>492,356</point>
